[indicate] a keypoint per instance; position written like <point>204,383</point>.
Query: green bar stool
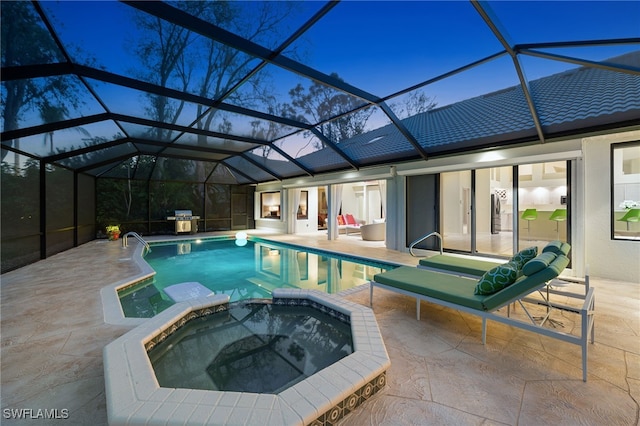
<point>529,215</point>
<point>559,215</point>
<point>633,215</point>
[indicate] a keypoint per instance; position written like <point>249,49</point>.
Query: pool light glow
<point>241,239</point>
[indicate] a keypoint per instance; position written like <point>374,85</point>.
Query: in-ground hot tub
<point>254,346</point>
<point>134,395</point>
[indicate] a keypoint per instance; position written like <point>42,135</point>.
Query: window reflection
<point>270,260</point>
<point>303,265</point>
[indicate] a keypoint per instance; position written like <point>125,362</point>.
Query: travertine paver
<point>53,332</point>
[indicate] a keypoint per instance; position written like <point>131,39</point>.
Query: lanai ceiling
<point>249,92</point>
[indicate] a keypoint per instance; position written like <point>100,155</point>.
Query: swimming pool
<point>242,272</point>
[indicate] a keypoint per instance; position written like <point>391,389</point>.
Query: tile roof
<point>569,101</point>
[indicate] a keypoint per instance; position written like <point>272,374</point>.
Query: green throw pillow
<point>497,278</point>
<point>523,256</point>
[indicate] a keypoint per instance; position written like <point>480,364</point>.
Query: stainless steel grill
<point>185,221</point>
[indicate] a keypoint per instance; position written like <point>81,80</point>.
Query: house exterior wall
<point>612,259</point>
<point>592,246</point>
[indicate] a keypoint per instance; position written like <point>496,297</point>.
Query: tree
<point>172,56</point>
<point>161,51</point>
<point>25,41</point>
<point>416,103</point>
<point>272,130</point>
<point>321,103</point>
<point>51,114</point>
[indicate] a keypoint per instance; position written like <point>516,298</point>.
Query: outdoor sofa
<point>348,223</point>
<point>533,274</point>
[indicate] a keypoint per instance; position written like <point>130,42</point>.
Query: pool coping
<point>111,307</point>
<point>135,397</point>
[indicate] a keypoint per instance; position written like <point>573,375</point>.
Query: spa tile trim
<point>135,397</point>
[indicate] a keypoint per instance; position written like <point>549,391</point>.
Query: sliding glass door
<point>494,211</point>
<point>422,210</point>
<point>484,212</point>
<point>543,207</point>
<point>455,208</point>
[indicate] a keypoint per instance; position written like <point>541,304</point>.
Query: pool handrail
<point>137,236</point>
<point>421,239</point>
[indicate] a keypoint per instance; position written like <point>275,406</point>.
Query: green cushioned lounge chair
<point>460,265</point>
<point>458,292</point>
<point>471,267</point>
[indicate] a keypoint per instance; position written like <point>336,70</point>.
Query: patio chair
<point>373,231</point>
<point>353,225</point>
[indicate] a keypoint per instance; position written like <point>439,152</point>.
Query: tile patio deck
<point>53,332</point>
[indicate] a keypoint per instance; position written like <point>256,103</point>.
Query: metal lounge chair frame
<point>449,290</point>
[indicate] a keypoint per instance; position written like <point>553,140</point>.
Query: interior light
<point>241,243</point>
<point>241,235</point>
<point>490,156</point>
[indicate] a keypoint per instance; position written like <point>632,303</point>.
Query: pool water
<point>242,272</point>
<point>252,347</point>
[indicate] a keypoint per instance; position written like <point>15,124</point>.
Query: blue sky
<point>385,46</point>
<point>392,45</point>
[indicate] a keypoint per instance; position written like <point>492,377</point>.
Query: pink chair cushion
<point>351,220</point>
<point>341,220</point>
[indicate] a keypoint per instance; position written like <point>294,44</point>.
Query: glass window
<point>303,211</point>
<point>625,197</point>
<point>270,205</point>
